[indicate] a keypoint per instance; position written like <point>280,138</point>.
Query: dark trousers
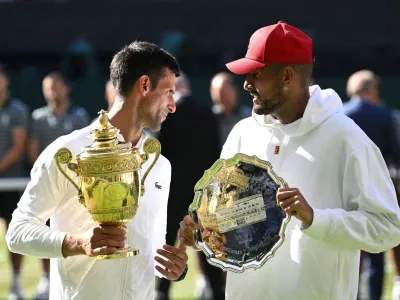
<point>376,275</point>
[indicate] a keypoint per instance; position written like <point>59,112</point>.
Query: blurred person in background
<point>14,124</point>
<point>59,117</point>
<point>190,141</point>
<point>109,95</point>
<point>227,109</point>
<point>364,107</point>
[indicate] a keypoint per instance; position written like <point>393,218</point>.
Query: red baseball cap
<point>278,43</point>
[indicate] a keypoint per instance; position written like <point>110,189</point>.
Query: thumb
<point>182,246</point>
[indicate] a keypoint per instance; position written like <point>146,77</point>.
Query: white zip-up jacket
<point>50,194</point>
<point>343,177</point>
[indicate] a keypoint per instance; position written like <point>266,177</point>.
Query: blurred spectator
<point>224,95</point>
<point>59,117</point>
<point>377,122</point>
<point>189,140</point>
<point>14,123</point>
<point>109,96</point>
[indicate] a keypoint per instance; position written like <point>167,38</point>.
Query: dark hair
<point>305,70</point>
<point>138,59</point>
<point>57,76</point>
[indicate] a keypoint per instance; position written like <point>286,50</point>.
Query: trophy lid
<point>106,140</point>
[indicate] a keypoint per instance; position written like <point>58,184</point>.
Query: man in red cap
<point>340,193</point>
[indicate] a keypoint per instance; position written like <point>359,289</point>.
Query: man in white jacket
<point>340,191</point>
<point>143,76</point>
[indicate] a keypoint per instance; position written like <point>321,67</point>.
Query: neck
<point>369,99</point>
<point>60,108</point>
<point>293,109</point>
<point>123,115</point>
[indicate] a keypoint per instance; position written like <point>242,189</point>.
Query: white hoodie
<point>342,175</point>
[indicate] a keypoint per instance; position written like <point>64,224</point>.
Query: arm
<point>34,144</point>
<point>19,125</point>
<point>373,224</point>
<point>33,152</point>
<point>19,136</point>
<point>27,233</point>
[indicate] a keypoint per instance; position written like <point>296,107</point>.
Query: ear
<point>288,76</point>
<point>144,85</point>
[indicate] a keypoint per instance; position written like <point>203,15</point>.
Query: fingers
<point>182,247</point>
<point>104,250</point>
<point>107,243</point>
<point>285,193</point>
<point>292,208</point>
<point>176,251</point>
<point>104,239</point>
<point>169,265</point>
<point>290,205</point>
<point>185,234</point>
<point>168,274</point>
<point>205,235</point>
<point>108,229</point>
<point>171,258</point>
<point>188,221</point>
<point>285,203</point>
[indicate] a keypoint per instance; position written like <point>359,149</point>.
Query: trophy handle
<point>64,156</point>
<point>150,146</point>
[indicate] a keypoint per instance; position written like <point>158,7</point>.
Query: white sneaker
<point>396,288</point>
<point>42,291</point>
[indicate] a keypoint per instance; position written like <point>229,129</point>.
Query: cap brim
<point>244,66</point>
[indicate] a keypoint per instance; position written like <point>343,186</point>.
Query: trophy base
<point>121,253</point>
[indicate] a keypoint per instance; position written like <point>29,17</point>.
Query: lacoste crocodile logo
<point>158,186</point>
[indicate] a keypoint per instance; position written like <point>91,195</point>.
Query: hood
<point>321,105</point>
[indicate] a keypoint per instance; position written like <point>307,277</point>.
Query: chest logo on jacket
<point>277,148</point>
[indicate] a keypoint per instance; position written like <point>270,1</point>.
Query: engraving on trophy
<point>109,176</point>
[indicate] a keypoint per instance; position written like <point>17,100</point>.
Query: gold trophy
<point>110,183</point>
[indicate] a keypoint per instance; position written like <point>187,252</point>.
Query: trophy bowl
<point>110,183</point>
<point>235,203</point>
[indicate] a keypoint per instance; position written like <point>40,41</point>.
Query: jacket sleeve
<point>27,233</point>
<point>372,222</point>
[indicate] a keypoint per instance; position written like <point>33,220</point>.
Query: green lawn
<point>182,290</point>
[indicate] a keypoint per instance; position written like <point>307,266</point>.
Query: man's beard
<point>267,107</point>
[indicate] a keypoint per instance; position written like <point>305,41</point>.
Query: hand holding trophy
<point>110,181</point>
<point>235,218</point>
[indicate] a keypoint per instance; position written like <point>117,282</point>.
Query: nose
<point>247,85</point>
<point>171,105</point>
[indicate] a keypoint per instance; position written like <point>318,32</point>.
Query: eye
<point>171,92</point>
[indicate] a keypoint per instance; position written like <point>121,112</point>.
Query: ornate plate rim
<point>202,183</point>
